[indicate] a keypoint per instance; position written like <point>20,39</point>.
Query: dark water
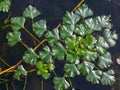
<point>53,11</point>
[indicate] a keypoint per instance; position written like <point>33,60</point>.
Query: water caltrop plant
<point>81,42</point>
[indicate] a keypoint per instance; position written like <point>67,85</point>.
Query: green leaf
<point>66,31</point>
<point>85,67</point>
<point>103,42</point>
<point>13,38</point>
<point>93,24</point>
<point>111,37</point>
<point>100,49</point>
<point>104,21</point>
<point>71,18</point>
<point>72,57</point>
<point>94,76</point>
<point>105,61</point>
<point>84,11</point>
<point>83,30</point>
<point>5,5</point>
<point>39,27</point>
<point>51,67</point>
<point>71,70</point>
<point>31,12</point>
<point>108,78</point>
<point>17,23</point>
<point>42,69</point>
<point>19,71</point>
<point>89,55</point>
<point>70,42</point>
<point>58,51</point>
<point>30,56</point>
<point>60,83</point>
<point>52,36</point>
<point>90,41</point>
<point>46,55</point>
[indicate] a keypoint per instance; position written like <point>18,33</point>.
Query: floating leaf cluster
<point>4,5</point>
<point>78,43</point>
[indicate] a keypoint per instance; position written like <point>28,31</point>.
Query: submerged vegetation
<point>81,42</point>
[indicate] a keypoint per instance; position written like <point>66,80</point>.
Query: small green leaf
<point>104,21</point>
<point>93,24</point>
<point>19,71</point>
<point>100,49</point>
<point>72,57</point>
<point>70,42</point>
<point>94,76</point>
<point>60,83</point>
<point>105,61</point>
<point>84,11</point>
<point>52,36</point>
<point>17,23</point>
<point>5,5</point>
<point>46,55</point>
<point>71,18</point>
<point>30,56</point>
<point>71,70</point>
<point>108,78</point>
<point>31,12</point>
<point>103,42</point>
<point>85,67</point>
<point>13,38</point>
<point>51,67</point>
<point>39,27</point>
<point>111,37</point>
<point>89,55</point>
<point>42,69</point>
<point>83,30</point>
<point>66,31</point>
<point>58,51</point>
<point>90,41</point>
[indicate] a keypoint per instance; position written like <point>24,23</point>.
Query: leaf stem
<point>42,84</point>
<point>6,86</point>
<point>2,60</point>
<point>30,34</point>
<point>25,83</point>
<point>70,83</point>
<point>12,83</point>
<point>39,44</point>
<point>32,70</point>
<point>24,44</point>
<point>55,73</point>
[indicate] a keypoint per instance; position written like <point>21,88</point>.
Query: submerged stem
<point>30,34</point>
<point>25,83</point>
<point>3,61</point>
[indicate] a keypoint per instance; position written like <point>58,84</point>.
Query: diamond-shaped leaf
<point>100,49</point>
<point>71,18</point>
<point>90,41</point>
<point>31,12</point>
<point>19,71</point>
<point>58,51</point>
<point>111,37</point>
<point>60,83</point>
<point>108,78</point>
<point>71,70</point>
<point>93,24</point>
<point>94,76</point>
<point>85,67</point>
<point>103,42</point>
<point>72,57</point>
<point>105,60</point>
<point>39,27</point>
<point>13,38</point>
<point>70,42</point>
<point>83,30</point>
<point>84,11</point>
<point>46,55</point>
<point>52,36</point>
<point>17,23</point>
<point>66,30</point>
<point>4,5</point>
<point>30,56</point>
